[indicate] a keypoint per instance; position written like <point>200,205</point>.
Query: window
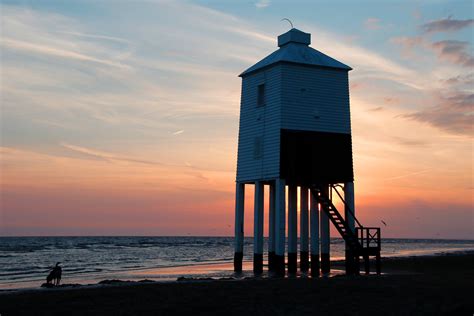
<point>261,95</point>
<point>258,148</point>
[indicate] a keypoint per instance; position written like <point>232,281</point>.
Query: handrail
<point>366,237</point>
<point>347,206</point>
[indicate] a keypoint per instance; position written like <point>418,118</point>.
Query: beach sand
<point>411,286</point>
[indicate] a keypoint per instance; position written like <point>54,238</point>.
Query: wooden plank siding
<point>260,121</point>
<point>310,91</point>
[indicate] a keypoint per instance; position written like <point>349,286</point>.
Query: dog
<point>54,277</point>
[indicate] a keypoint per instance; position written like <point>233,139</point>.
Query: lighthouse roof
<point>294,48</point>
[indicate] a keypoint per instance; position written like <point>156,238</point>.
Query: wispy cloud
<point>460,80</point>
<point>410,174</point>
<point>454,51</point>
<point>446,25</point>
<point>366,62</point>
<point>453,109</point>
<point>53,51</point>
<point>410,141</point>
<point>105,155</point>
<point>372,24</point>
<point>262,3</point>
<point>249,33</point>
<point>96,36</point>
<point>454,114</point>
<point>408,44</point>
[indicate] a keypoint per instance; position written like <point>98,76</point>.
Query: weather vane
<point>285,19</point>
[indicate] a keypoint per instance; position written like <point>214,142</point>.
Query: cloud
<point>377,109</point>
<point>105,155</point>
<point>391,100</point>
<point>372,24</point>
<point>96,36</point>
<point>454,51</point>
<point>446,25</point>
<point>408,44</point>
<point>460,80</point>
<point>410,142</point>
<point>248,33</point>
<point>366,63</point>
<point>453,114</point>
<point>355,85</point>
<point>260,4</point>
<point>410,174</point>
<point>54,51</point>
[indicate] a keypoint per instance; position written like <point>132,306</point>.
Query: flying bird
<point>384,223</point>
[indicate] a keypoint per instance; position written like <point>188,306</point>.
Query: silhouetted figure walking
<point>54,276</point>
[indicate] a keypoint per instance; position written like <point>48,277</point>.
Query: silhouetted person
<point>55,275</point>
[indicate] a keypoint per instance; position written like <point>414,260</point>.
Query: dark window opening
<point>261,95</point>
<point>258,148</point>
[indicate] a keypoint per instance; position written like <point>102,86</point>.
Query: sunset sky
<point>121,117</point>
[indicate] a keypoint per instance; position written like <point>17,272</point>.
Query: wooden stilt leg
<point>314,231</point>
<point>258,229</point>
<point>271,229</point>
<point>292,229</point>
<point>304,230</point>
<point>239,226</point>
<point>280,225</point>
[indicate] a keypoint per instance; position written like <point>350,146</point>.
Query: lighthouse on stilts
<point>295,139</point>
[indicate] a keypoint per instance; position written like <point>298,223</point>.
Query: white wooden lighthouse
<point>295,131</point>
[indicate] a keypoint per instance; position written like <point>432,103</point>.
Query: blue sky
<point>131,108</point>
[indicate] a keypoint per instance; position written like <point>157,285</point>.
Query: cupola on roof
<point>294,48</point>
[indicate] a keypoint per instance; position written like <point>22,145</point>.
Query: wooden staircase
<point>361,242</point>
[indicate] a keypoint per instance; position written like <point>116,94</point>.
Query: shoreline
<point>90,260</point>
<point>213,270</point>
<point>430,284</point>
<point>216,271</point>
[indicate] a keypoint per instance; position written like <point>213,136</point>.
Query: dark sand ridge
<point>414,286</point>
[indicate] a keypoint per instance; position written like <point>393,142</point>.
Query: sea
<point>25,261</point>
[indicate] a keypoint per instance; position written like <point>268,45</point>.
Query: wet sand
<point>419,285</point>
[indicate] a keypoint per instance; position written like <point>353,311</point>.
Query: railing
<point>369,237</point>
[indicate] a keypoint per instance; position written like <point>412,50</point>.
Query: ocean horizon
<point>25,261</point>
